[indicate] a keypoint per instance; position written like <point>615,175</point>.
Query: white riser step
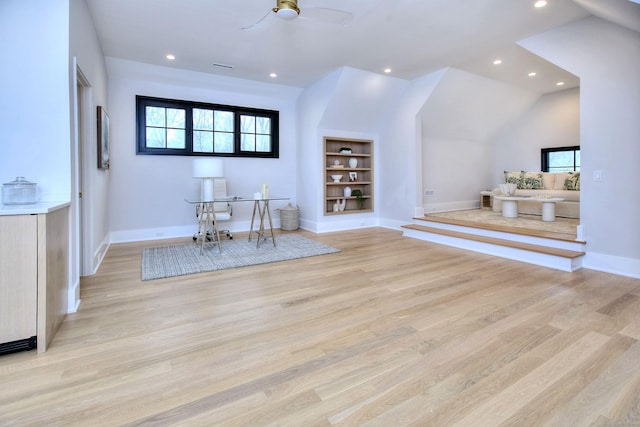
<point>560,243</point>
<point>552,257</point>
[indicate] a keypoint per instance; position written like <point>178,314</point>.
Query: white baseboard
<point>143,234</point>
<point>99,255</point>
<point>73,301</point>
<point>451,206</point>
<point>345,222</point>
<point>612,264</point>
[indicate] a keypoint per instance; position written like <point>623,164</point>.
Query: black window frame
<point>544,156</point>
<point>146,101</point>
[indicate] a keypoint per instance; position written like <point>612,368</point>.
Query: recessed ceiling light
<point>387,70</point>
<point>531,74</point>
<point>560,84</point>
<point>497,62</point>
<point>170,57</point>
<point>273,75</point>
<point>540,3</point>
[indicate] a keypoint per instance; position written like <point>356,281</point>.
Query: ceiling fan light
<point>287,14</point>
<point>287,9</point>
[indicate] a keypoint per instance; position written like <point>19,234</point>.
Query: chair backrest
<point>220,192</point>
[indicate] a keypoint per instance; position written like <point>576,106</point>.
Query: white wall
<point>35,102</point>
<point>34,105</point>
<point>606,57</point>
<point>311,106</point>
<point>348,103</point>
<point>459,123</point>
<point>553,121</point>
<point>148,192</point>
<point>400,154</point>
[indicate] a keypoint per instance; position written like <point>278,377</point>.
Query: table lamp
<point>207,168</point>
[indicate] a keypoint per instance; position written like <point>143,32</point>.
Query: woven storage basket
<point>289,218</point>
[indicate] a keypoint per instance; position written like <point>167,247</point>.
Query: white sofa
<point>546,184</point>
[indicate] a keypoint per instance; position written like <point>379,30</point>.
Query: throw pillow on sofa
<point>513,178</point>
<point>572,182</point>
<point>531,181</point>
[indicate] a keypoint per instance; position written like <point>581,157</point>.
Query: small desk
<point>260,208</point>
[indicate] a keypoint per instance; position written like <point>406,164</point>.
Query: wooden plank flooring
<point>391,331</point>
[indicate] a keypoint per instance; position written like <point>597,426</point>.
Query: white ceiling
<point>412,37</point>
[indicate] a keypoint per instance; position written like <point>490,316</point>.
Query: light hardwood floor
<point>391,331</point>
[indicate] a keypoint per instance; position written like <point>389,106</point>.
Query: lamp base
<point>206,193</point>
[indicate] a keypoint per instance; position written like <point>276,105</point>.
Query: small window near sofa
<point>560,159</point>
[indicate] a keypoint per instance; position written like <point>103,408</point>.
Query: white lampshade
<point>208,167</point>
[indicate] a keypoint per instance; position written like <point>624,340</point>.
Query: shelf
<point>348,211</point>
<point>349,155</point>
<point>349,183</point>
<point>362,151</point>
<point>348,198</point>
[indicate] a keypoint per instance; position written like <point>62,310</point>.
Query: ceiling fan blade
<point>325,14</point>
<point>258,21</point>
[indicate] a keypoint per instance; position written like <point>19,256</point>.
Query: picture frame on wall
<point>103,139</point>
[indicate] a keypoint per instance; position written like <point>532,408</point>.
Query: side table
<point>486,199</point>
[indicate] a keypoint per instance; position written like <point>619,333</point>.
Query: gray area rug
<point>170,261</point>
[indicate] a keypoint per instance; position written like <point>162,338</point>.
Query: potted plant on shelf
<point>359,199</point>
<point>345,150</point>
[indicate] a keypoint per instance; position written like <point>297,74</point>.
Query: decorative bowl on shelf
<point>336,178</point>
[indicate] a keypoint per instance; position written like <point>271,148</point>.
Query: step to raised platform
<point>559,252</point>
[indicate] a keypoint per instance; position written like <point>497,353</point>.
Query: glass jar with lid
<point>19,192</point>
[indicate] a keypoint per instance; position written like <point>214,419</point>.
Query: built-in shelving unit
<point>356,169</point>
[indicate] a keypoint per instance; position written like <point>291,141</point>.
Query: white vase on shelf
<point>353,163</point>
<point>347,191</point>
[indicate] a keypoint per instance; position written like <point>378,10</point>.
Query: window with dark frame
<point>560,159</point>
<point>185,128</point>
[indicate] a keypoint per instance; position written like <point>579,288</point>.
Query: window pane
<point>175,118</point>
<point>155,116</point>
<point>156,138</point>
<point>223,142</point>
<point>263,143</point>
<point>247,124</point>
<point>577,160</point>
<point>224,121</point>
<point>203,141</point>
<point>247,142</point>
<point>175,138</point>
<point>561,159</point>
<point>202,119</point>
<point>263,125</point>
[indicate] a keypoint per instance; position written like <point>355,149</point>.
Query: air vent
<point>20,345</point>
<point>226,66</point>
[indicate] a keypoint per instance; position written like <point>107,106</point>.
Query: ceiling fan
<point>288,10</point>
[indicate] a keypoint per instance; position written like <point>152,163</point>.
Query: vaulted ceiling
<point>410,37</point>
